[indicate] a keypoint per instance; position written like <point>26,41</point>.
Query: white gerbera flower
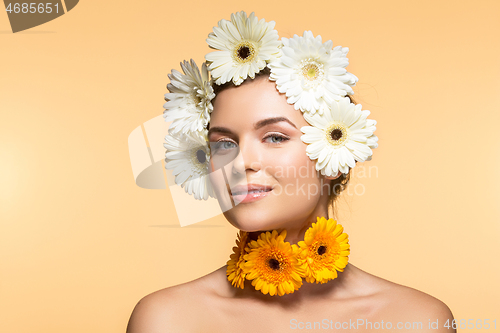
<point>339,137</point>
<point>188,156</point>
<point>245,44</point>
<point>189,103</point>
<point>372,141</point>
<point>311,74</point>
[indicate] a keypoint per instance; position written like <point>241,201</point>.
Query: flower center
<point>244,52</point>
<point>321,250</point>
<point>274,264</point>
<point>197,98</point>
<point>312,71</point>
<point>336,134</point>
<point>200,156</point>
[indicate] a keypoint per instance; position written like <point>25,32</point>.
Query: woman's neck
<point>295,232</point>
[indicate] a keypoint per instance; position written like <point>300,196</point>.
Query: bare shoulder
<point>402,304</point>
<point>169,309</point>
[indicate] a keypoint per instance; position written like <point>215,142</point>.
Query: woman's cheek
<point>291,166</point>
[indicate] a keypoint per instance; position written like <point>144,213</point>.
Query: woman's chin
<point>253,223</point>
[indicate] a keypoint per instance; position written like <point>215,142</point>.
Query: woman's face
<point>254,137</point>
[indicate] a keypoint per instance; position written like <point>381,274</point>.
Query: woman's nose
<point>248,158</point>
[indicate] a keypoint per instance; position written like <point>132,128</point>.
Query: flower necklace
<point>277,267</point>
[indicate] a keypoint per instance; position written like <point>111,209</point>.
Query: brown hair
<point>337,185</point>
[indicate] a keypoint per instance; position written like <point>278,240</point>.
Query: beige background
<point>81,243</point>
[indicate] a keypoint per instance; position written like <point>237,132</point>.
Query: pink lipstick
<point>250,193</point>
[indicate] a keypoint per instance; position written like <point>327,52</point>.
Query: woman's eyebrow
<point>256,126</point>
<point>268,121</point>
<point>219,130</point>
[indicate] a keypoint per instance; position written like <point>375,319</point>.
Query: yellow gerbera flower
<point>235,274</point>
<point>324,251</point>
<point>272,264</point>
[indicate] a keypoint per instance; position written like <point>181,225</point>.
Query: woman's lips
<point>249,193</point>
<point>250,196</point>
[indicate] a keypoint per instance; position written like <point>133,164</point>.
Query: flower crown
<point>309,72</point>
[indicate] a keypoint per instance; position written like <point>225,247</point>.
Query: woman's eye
<point>275,138</point>
<point>223,145</point>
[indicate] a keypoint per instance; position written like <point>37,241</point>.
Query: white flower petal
<point>355,143</point>
<point>260,39</point>
<point>188,105</point>
<point>318,70</point>
<point>181,152</point>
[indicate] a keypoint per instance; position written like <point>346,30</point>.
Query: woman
<point>276,184</point>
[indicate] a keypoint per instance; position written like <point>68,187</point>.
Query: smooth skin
<point>211,304</point>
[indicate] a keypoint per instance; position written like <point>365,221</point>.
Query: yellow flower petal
<point>272,263</point>
<point>324,250</point>
<point>235,266</point>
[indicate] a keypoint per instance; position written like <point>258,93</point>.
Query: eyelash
<point>284,138</point>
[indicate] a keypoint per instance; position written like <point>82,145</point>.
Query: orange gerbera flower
<point>272,264</point>
<point>324,251</point>
<point>235,274</point>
